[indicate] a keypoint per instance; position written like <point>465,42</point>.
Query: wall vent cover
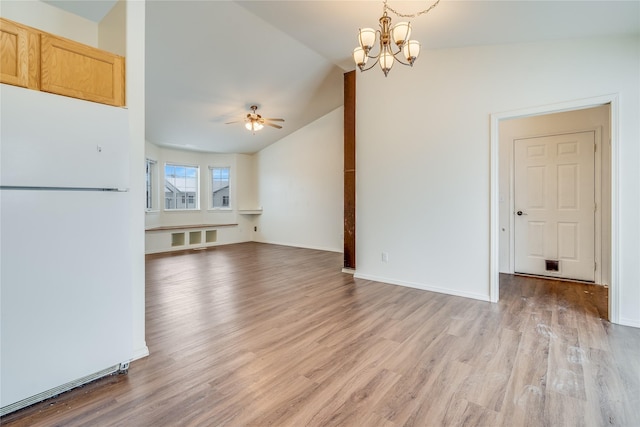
<point>551,265</point>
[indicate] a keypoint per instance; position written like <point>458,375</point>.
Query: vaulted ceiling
<point>207,62</point>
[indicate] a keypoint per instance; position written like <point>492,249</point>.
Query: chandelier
<point>398,35</point>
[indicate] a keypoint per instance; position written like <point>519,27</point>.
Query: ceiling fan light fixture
<point>254,122</point>
<point>253,125</point>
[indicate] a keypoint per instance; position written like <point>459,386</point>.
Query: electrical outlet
<point>255,228</point>
<point>385,257</point>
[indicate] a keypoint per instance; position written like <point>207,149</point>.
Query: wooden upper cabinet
<point>14,54</point>
<point>37,60</point>
<point>73,69</point>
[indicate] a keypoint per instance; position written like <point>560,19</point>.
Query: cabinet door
<point>14,54</point>
<point>80,71</point>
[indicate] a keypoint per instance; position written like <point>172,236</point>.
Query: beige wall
<point>112,32</point>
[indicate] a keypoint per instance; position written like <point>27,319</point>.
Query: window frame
<point>151,185</point>
<point>211,206</point>
<point>186,194</point>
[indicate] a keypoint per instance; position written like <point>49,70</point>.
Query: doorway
<point>595,115</point>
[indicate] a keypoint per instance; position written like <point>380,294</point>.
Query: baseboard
<point>140,353</point>
<point>295,245</point>
<point>634,323</point>
<point>349,271</point>
<point>424,287</point>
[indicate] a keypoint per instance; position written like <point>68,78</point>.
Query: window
<point>220,187</point>
<point>151,184</point>
<point>180,186</point>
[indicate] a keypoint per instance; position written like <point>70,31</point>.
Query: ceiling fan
<point>254,121</point>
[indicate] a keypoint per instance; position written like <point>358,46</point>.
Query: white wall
<point>50,19</point>
<point>135,69</point>
<point>247,182</point>
<point>300,186</point>
<point>241,183</point>
<point>423,154</point>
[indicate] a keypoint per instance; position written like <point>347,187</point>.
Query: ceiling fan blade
<point>273,126</point>
<point>276,120</point>
<point>235,121</point>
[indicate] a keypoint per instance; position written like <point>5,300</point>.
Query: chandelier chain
<point>411,15</point>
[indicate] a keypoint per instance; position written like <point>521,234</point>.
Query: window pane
<point>220,187</point>
<point>180,187</point>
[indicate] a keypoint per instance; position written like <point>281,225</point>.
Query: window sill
<point>220,210</point>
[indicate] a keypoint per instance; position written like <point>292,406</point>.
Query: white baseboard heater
<point>122,368</point>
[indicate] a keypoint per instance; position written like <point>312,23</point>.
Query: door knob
<point>520,213</point>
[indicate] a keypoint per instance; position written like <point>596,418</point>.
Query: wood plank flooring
<point>263,335</point>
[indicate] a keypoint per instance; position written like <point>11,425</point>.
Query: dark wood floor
<point>259,335</point>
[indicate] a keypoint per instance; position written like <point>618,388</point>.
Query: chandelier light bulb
<point>366,38</point>
<point>400,33</point>
<point>386,62</point>
<point>411,50</point>
<point>360,57</point>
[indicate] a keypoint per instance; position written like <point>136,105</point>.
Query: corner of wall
<point>135,69</point>
<point>112,31</point>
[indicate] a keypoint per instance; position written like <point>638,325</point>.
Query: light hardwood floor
<point>263,335</point>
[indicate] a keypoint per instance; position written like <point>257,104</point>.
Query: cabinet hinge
<point>595,266</point>
<point>595,148</point>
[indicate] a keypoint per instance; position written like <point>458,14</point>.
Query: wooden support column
<point>350,170</point>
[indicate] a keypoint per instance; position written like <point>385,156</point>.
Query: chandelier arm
<point>410,15</point>
<point>377,58</point>
<point>395,55</point>
<point>380,49</point>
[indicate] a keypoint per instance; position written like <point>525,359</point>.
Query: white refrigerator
<point>65,261</point>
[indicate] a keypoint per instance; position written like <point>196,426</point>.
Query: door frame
<point>597,196</point>
<point>494,255</point>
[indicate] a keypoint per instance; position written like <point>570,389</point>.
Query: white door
<point>554,222</point>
